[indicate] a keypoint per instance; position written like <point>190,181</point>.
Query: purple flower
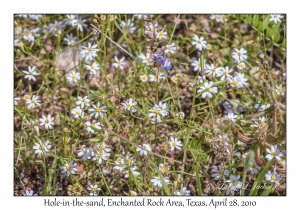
<point>159,57</point>
<point>166,64</point>
<point>45,38</point>
<point>49,48</point>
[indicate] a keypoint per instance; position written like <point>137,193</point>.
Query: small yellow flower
<point>144,78</point>
<point>109,76</point>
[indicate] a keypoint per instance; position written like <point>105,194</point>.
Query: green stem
<point>173,31</point>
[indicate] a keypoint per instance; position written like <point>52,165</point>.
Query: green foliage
<point>207,135</point>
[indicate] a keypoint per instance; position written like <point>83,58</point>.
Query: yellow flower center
<point>32,101</point>
<point>147,58</point>
<point>83,100</point>
<point>92,66</point>
<point>279,89</point>
<point>94,189</point>
<point>225,73</point>
<point>207,138</point>
<point>199,42</point>
<point>85,151</point>
<point>273,178</point>
<point>41,147</point>
<point>233,181</point>
<point>239,53</point>
<point>47,120</point>
<point>169,47</point>
<point>68,167</point>
<point>207,89</point>
<point>181,192</point>
<point>89,49</point>
<point>174,144</point>
<point>157,111</point>
<point>57,32</point>
<point>144,147</point>
<point>158,179</point>
<point>128,105</point>
<point>65,129</point>
<point>56,27</point>
<point>70,18</point>
<point>73,77</point>
<point>30,73</point>
<point>78,113</point>
<point>144,77</point>
<point>79,22</point>
<point>160,34</point>
<point>20,44</point>
<point>273,154</point>
<point>119,62</point>
<point>164,169</point>
<point>27,34</point>
<point>234,83</point>
<point>132,194</point>
<point>213,69</point>
<point>253,166</point>
<point>109,76</point>
<point>103,147</point>
<point>100,154</point>
<point>129,161</point>
<point>120,165</point>
<point>98,109</point>
<point>174,79</point>
<point>92,125</point>
<point>263,124</point>
<point>275,16</point>
<point>220,172</point>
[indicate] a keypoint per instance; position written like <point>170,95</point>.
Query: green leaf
<point>266,191</point>
<point>266,22</point>
<point>24,158</point>
<point>276,36</point>
<point>283,45</point>
<point>165,186</point>
<point>259,179</point>
<point>199,188</point>
<point>255,20</point>
<point>260,26</point>
<point>269,32</point>
<point>276,26</point>
<point>249,159</point>
<point>249,19</point>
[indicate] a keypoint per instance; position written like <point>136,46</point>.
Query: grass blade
<point>259,179</point>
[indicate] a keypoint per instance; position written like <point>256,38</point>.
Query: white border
<point>152,6</point>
